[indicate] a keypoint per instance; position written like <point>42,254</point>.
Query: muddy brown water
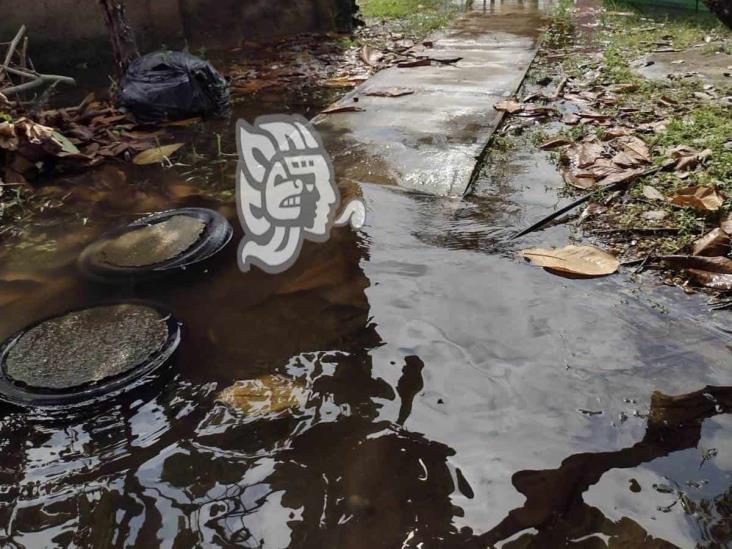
<point>456,396</point>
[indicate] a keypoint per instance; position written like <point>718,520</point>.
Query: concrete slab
<point>431,140</point>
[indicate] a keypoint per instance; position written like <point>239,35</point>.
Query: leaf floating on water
<point>156,155</point>
<point>341,108</point>
<point>700,198</point>
<point>576,260</point>
<point>269,394</point>
<point>390,92</point>
<point>508,106</point>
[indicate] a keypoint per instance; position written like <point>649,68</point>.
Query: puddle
<point>451,394</point>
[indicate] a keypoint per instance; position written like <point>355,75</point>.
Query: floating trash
<point>156,244</point>
<point>79,356</point>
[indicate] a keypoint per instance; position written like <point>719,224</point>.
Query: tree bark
<point>722,9</point>
<point>124,47</point>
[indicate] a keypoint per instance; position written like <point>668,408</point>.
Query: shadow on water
<point>455,396</point>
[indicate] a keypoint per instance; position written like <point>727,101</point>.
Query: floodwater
<point>456,396</point>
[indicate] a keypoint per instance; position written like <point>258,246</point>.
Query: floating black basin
<point>80,356</point>
<point>156,244</point>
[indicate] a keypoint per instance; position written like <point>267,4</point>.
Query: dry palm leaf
<point>700,198</point>
<point>156,155</point>
<point>575,260</point>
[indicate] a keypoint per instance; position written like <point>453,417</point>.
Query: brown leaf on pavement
<point>390,92</point>
<point>574,260</point>
<point>700,198</point>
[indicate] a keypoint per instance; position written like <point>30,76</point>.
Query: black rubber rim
<point>21,395</point>
<point>215,236</point>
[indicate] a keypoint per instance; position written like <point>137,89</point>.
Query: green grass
<point>416,18</point>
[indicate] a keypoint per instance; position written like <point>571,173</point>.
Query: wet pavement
<point>454,396</point>
<point>431,140</point>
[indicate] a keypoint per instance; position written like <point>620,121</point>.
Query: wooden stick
<point>40,81</point>
<point>13,45</point>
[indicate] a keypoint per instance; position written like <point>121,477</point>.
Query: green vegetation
<point>416,18</point>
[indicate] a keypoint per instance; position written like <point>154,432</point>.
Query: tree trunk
<point>124,46</point>
<point>722,9</point>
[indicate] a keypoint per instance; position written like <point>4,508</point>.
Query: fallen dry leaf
<point>554,143</point>
<point>155,155</point>
<point>341,108</point>
<point>269,394</point>
<point>371,56</point>
<point>585,154</point>
<point>652,193</point>
<point>508,106</point>
<point>415,63</point>
<point>575,260</point>
<point>700,198</point>
<point>710,272</point>
<point>390,92</point>
<point>726,224</point>
<point>715,243</point>
<point>635,148</point>
<point>579,181</point>
<point>688,158</point>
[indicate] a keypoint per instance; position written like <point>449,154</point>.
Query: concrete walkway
<point>430,141</point>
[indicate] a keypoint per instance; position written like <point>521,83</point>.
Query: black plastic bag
<point>172,85</point>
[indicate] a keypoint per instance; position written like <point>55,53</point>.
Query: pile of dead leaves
<point>329,60</point>
<point>76,138</point>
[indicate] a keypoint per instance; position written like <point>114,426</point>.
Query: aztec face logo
<point>286,191</point>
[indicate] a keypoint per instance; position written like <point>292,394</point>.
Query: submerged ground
<point>452,395</point>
